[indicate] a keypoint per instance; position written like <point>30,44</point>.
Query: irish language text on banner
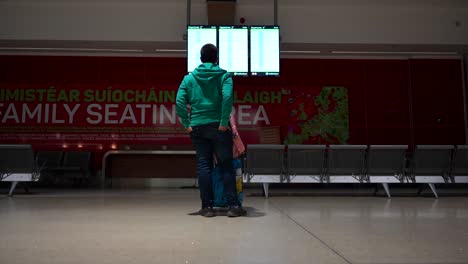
<point>100,116</point>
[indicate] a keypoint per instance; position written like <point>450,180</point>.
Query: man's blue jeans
<point>208,140</point>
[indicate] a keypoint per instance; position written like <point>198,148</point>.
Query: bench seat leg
<point>265,189</point>
<point>387,190</point>
<point>12,188</point>
<point>433,190</point>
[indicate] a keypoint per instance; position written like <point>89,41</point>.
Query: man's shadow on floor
<point>222,211</point>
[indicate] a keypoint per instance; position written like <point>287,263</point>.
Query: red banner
<point>95,115</point>
<point>102,103</point>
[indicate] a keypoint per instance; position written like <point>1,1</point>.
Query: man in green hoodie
<point>208,92</point>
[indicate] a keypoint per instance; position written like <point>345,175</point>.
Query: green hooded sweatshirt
<point>208,90</point>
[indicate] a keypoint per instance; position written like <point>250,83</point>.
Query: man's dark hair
<point>209,53</point>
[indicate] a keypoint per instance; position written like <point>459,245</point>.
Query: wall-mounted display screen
<point>233,48</point>
<point>197,36</point>
<point>264,50</point>
<point>242,50</point>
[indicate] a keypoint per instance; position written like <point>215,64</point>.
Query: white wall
<point>107,20</point>
<point>301,21</point>
<point>375,23</point>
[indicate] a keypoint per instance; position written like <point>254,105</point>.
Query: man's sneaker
<point>236,211</point>
<point>207,212</point>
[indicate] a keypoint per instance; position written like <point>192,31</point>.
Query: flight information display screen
<point>264,50</point>
<point>197,36</point>
<point>233,48</point>
<point>242,50</point>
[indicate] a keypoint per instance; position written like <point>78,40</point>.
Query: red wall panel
<point>437,101</point>
<point>349,74</point>
<point>383,95</point>
<point>73,70</point>
<point>387,102</point>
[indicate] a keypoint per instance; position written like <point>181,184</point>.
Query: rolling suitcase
<point>218,186</point>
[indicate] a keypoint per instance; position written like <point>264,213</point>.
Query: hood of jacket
<point>206,72</point>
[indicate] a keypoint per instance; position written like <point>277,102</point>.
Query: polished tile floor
<point>154,226</point>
